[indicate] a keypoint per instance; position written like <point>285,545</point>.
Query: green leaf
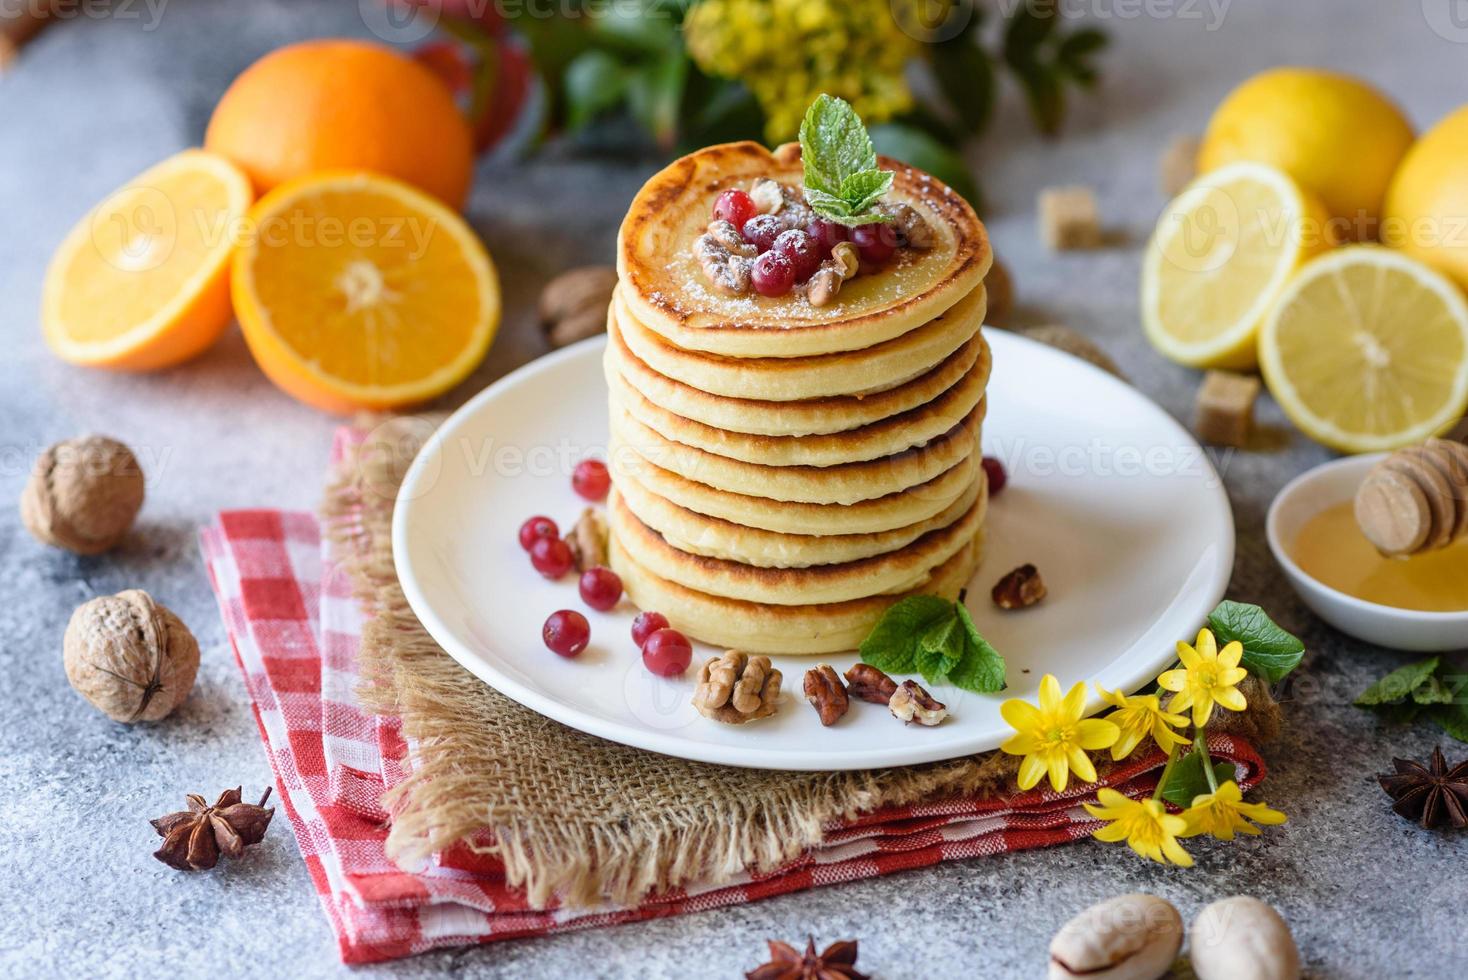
<point>595,82</point>
<point>1187,779</point>
<point>892,645</point>
<point>654,94</point>
<point>918,148</point>
<point>862,190</point>
<point>1432,691</point>
<point>1398,685</point>
<point>936,638</point>
<point>981,668</point>
<point>1270,653</point>
<point>1451,718</point>
<point>833,144</point>
<point>830,205</point>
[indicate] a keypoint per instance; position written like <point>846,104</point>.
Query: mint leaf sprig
<point>842,182</point>
<point>1429,689</point>
<point>937,638</point>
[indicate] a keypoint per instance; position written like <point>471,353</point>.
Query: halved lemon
<point>1221,253</point>
<point>1367,350</point>
<point>142,281</point>
<point>355,290</point>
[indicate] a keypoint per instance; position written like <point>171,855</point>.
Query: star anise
<point>837,962</point>
<point>1431,794</point>
<point>194,838</point>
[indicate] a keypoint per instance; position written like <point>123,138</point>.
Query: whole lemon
<point>1426,212</point>
<point>1337,136</point>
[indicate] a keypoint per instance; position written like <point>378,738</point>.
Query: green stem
<point>1166,772</point>
<point>1200,739</point>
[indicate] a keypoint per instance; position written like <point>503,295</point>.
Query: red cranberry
<point>802,251</point>
<point>762,230</point>
<point>566,632</point>
<point>591,480</point>
<point>551,557</point>
<point>874,242</point>
<point>773,274</point>
<point>537,528</point>
<point>667,653</point>
<point>827,234</point>
<point>601,588</point>
<point>735,207</point>
<point>645,625</point>
<point>994,470</point>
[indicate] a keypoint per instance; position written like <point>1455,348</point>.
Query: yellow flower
<point>1225,813</point>
<point>787,52</point>
<point>1145,825</point>
<point>1139,716</point>
<point>1207,677</point>
<point>1054,737</point>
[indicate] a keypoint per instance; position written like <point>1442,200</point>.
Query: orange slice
<point>142,281</point>
<point>355,290</point>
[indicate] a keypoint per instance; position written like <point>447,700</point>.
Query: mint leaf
<point>982,668</point>
<point>1432,691</point>
<point>1187,779</point>
<point>1397,685</point>
<point>936,638</point>
<point>1270,653</point>
<point>892,646</point>
<point>842,181</point>
<point>1451,718</point>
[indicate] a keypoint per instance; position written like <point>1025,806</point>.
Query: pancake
<point>846,483</point>
<point>698,534</point>
<point>896,571</point>
<point>759,627</point>
<point>667,290</point>
<point>814,416</point>
<point>896,510</point>
<point>884,438</point>
<point>782,379</point>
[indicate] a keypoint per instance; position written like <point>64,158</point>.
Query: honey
<point>1332,550</point>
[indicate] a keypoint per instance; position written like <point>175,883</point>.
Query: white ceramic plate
<point>1113,500</point>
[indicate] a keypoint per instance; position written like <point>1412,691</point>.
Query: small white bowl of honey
<point>1417,603</point>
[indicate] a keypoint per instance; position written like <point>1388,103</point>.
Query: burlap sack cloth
<point>569,814</point>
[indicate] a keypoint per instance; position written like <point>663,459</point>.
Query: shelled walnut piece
<point>910,703</point>
<point>867,683</point>
<point>588,540</point>
<point>130,657</point>
<point>826,693</point>
<point>83,495</point>
<point>573,305</point>
<point>1416,499</point>
<point>1020,589</point>
<point>737,688</point>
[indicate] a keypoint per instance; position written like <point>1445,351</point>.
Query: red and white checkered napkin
<point>295,629</point>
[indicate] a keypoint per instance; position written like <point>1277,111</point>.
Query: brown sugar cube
<point>1225,408</point>
<point>1179,164</point>
<point>1069,218</point>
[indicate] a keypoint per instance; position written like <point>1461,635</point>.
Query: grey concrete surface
<point>97,99</point>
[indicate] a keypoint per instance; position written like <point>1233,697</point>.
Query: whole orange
<point>344,105</point>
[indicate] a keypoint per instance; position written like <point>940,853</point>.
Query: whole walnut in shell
<point>131,657</point>
<point>83,495</point>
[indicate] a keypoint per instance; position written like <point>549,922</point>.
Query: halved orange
<point>142,281</point>
<point>355,290</point>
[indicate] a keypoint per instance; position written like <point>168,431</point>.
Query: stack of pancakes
<point>782,473</point>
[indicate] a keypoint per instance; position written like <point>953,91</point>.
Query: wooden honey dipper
<point>1416,499</point>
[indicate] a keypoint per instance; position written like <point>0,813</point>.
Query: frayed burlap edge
<point>572,816</point>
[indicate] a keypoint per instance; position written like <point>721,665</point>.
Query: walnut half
<point>737,688</point>
<point>910,703</point>
<point>826,693</point>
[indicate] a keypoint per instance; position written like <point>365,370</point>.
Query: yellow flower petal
<point>1055,761</point>
<point>1231,654</point>
<point>1187,655</point>
<point>1021,715</point>
<point>1074,704</point>
<point>1229,676</point>
<point>1049,694</point>
<point>1080,764</point>
<point>1096,733</point>
<point>1022,744</point>
<point>1129,740</point>
<point>1202,707</point>
<point>1111,833</point>
<point>1030,770</point>
<point>1175,853</point>
<point>1207,645</point>
<point>1230,698</point>
<point>1173,680</point>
